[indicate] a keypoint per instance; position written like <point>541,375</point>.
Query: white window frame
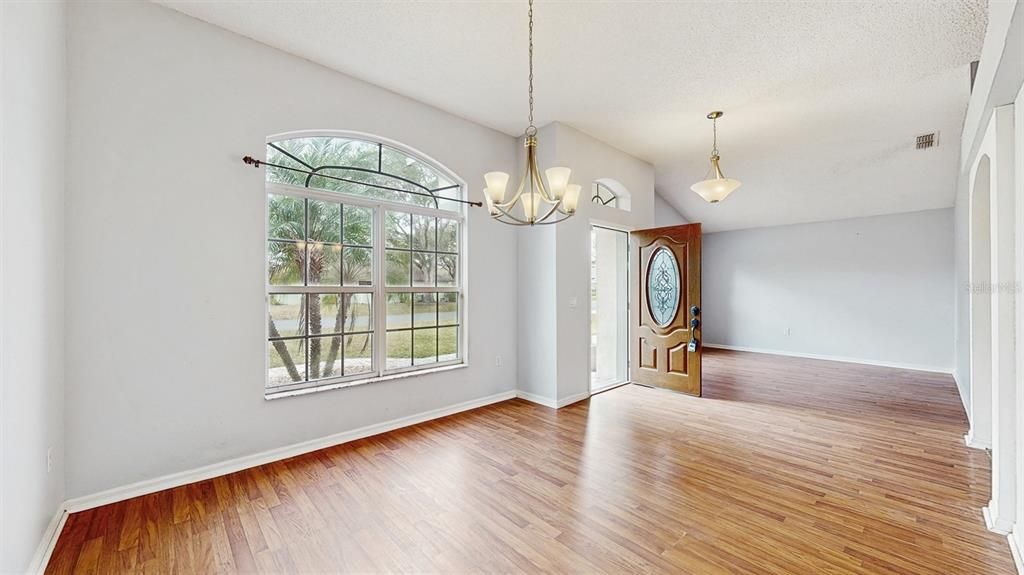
<point>621,198</point>
<point>379,371</point>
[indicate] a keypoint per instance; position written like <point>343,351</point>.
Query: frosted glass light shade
<point>572,198</point>
<point>717,188</point>
<point>490,204</point>
<point>531,203</point>
<point>496,184</point>
<point>558,179</point>
<point>714,191</point>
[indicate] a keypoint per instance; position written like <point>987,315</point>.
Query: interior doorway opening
<point>980,270</point>
<point>609,308</point>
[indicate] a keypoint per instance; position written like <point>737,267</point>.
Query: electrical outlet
<point>49,459</point>
<point>497,361</point>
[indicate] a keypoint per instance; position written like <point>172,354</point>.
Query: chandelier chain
<point>531,129</point>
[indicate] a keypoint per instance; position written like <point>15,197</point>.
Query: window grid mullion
<point>409,289</point>
<point>331,335</point>
<point>341,265</point>
<point>341,329</point>
<point>324,289</point>
<point>412,295</point>
<point>380,311</point>
<point>286,338</point>
<point>305,241</point>
<point>305,339</point>
<point>412,241</point>
<point>437,258</point>
<point>342,303</point>
<point>412,343</point>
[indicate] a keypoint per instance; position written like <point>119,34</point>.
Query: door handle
<point>694,324</point>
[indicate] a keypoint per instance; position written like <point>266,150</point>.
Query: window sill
<point>270,395</point>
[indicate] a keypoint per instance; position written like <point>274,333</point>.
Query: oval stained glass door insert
<point>663,286</point>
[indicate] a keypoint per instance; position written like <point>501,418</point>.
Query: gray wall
<point>33,91</point>
<point>665,214</point>
<point>165,321</point>
<point>876,289</point>
<point>554,360</point>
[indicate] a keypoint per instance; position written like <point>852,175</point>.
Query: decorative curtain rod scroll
<point>249,160</point>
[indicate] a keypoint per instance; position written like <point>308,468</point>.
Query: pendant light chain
<point>531,129</point>
<point>714,127</point>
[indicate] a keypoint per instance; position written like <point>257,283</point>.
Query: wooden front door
<point>665,322</point>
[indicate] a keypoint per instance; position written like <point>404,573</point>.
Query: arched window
<point>360,167</point>
<point>607,192</point>
<point>364,267</point>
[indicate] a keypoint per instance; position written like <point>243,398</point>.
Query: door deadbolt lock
<point>694,311</point>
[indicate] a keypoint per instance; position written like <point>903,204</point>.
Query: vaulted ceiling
<point>822,100</point>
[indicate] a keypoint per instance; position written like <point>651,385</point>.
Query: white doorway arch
<point>1001,510</point>
<point>993,295</point>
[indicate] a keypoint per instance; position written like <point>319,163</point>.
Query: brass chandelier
<point>537,204</point>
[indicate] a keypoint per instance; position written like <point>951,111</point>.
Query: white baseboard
<point>538,399</point>
<point>913,366</point>
<point>608,387</point>
<point>48,541</point>
<point>548,402</point>
<point>963,400</point>
<point>974,442</point>
<point>1015,549</point>
<point>573,399</point>
<point>223,468</point>
<point>995,525</point>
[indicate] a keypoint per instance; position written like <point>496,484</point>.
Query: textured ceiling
<point>822,99</point>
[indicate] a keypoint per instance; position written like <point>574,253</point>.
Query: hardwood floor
<point>785,466</point>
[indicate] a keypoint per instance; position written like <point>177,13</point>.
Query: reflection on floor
<point>785,466</point>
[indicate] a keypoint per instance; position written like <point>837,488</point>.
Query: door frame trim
<point>590,317</point>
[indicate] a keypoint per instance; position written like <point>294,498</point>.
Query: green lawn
<point>418,343</point>
<point>328,311</point>
<point>424,342</point>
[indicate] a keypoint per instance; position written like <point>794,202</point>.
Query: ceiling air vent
<point>925,141</point>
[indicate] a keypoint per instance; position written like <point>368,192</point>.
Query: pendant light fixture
<point>537,204</point>
<point>715,189</point>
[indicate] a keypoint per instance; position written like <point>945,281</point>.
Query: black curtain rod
<point>257,163</point>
